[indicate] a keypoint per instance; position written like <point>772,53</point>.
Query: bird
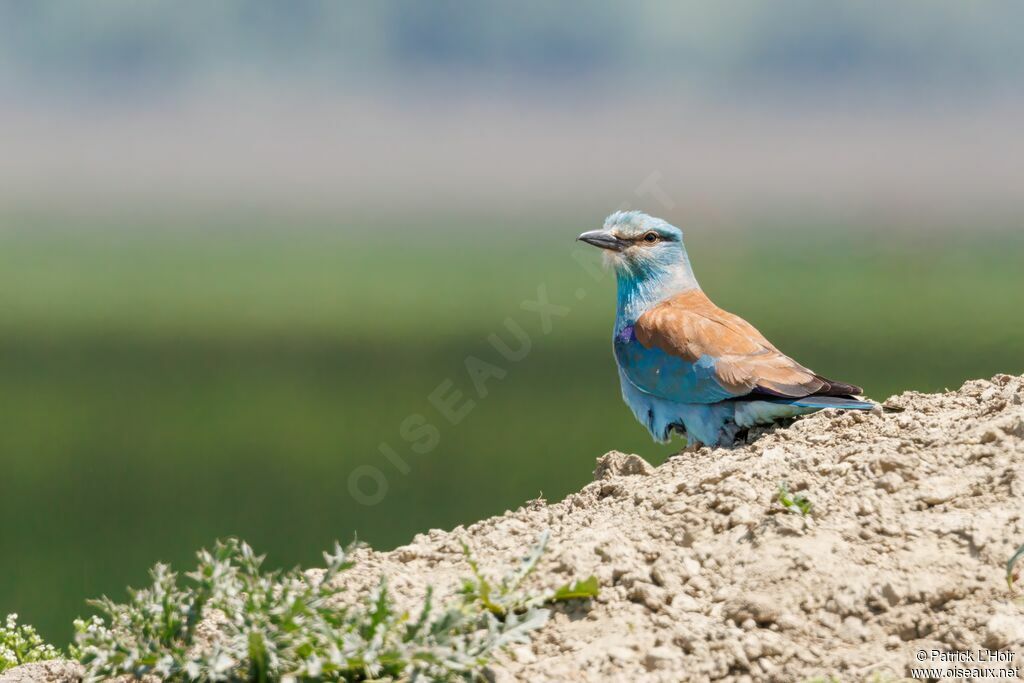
<point>686,365</point>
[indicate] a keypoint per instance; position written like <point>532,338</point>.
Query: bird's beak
<point>605,240</point>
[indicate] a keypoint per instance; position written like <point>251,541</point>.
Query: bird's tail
<point>767,410</point>
<point>822,402</point>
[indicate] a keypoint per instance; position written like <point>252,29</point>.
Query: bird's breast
<point>670,377</point>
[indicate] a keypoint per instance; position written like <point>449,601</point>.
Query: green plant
<point>1012,574</point>
<point>794,503</point>
<point>21,645</point>
<point>296,625</point>
<point>876,677</point>
<point>507,597</point>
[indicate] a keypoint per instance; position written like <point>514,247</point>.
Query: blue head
<point>648,257</point>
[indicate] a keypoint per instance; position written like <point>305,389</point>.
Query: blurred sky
<point>908,109</point>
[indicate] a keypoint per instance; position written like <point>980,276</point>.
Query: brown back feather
<point>689,325</point>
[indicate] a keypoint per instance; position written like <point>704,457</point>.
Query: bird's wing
<point>738,357</point>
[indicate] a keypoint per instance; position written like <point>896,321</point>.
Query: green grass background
<point>167,382</point>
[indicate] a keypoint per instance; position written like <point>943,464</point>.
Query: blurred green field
<point>165,384</point>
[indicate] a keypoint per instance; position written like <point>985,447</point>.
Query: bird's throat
<point>639,293</point>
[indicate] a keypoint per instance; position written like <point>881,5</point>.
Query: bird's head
<point>640,247</point>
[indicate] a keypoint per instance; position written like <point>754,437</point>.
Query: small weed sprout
<point>293,625</point>
<point>876,677</point>
<point>794,503</point>
<point>21,645</point>
<point>1012,570</point>
<point>506,596</point>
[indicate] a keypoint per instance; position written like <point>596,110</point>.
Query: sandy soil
<point>705,576</point>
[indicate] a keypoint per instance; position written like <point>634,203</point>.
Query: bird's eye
<point>650,237</point>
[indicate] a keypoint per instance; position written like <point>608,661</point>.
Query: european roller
<point>685,364</point>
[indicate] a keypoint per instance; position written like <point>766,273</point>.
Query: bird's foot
<point>692,446</point>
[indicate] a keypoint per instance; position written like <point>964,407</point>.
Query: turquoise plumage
<point>686,365</point>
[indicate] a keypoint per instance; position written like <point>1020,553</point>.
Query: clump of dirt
<point>706,576</point>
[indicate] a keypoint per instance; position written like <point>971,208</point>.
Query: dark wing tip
<point>834,388</point>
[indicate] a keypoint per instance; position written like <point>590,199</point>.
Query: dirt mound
<point>705,575</point>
